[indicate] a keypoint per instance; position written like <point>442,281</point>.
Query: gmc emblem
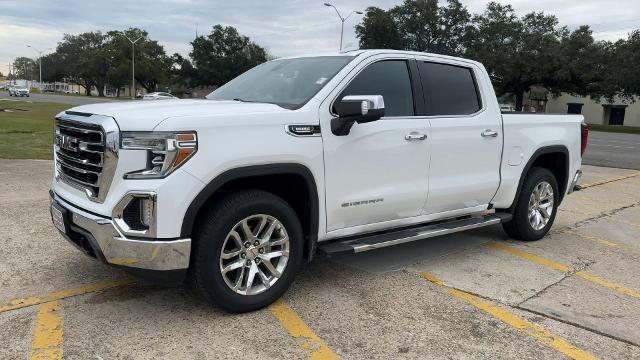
<point>67,143</point>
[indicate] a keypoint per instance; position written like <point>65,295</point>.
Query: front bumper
<point>98,237</point>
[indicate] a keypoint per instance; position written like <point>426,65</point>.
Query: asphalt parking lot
<point>613,149</point>
<point>575,293</point>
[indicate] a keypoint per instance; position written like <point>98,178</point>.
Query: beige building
<point>618,112</point>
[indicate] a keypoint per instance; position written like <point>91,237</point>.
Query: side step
<point>395,237</point>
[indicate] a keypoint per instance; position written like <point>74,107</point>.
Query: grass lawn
<point>615,128</point>
<point>26,129</point>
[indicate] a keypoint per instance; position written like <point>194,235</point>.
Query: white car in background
<point>158,96</point>
<point>507,108</point>
<point>18,91</point>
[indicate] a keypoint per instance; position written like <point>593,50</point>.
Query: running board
<point>395,237</point>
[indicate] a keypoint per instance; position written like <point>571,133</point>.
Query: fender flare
<point>214,185</point>
<point>539,152</point>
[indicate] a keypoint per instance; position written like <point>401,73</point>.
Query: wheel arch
<point>274,178</point>
<point>555,158</point>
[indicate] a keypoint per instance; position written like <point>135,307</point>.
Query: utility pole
<point>133,63</point>
<point>40,61</point>
<point>9,76</point>
<point>342,19</point>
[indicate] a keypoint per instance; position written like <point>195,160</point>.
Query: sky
<point>283,27</point>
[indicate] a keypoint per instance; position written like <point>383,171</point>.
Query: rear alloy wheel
<point>541,205</point>
<point>536,206</point>
<point>247,249</point>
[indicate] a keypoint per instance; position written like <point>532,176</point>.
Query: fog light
<point>135,214</point>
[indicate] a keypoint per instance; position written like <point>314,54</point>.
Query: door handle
<point>415,136</point>
<point>489,133</point>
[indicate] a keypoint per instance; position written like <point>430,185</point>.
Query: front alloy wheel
<point>254,255</point>
<point>247,248</point>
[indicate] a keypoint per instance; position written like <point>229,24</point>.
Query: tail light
<point>584,130</point>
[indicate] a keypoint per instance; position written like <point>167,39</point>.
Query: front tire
<point>248,248</point>
<point>536,207</point>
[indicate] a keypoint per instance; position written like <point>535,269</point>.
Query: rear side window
<point>449,89</point>
<point>389,78</point>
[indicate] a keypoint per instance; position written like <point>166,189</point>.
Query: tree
<point>517,52</point>
<point>182,73</point>
<point>622,68</point>
<point>419,25</point>
<point>582,68</point>
<point>223,55</point>
<point>24,68</point>
<point>85,60</point>
<point>379,30</point>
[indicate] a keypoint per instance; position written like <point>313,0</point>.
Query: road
<point>613,150</point>
<point>575,293</point>
<point>62,99</point>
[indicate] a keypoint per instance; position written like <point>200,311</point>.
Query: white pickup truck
<point>338,152</point>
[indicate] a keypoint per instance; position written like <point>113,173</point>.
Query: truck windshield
<point>288,83</point>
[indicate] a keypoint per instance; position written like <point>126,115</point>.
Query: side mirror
<point>356,109</point>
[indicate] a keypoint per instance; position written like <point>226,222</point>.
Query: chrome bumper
<point>111,246</point>
<point>574,182</point>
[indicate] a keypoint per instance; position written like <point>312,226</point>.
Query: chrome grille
<point>85,148</point>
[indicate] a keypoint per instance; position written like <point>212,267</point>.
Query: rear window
<point>449,89</point>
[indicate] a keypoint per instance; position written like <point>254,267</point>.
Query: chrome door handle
<point>489,133</point>
<point>415,136</point>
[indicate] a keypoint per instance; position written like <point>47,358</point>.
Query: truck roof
<point>371,52</point>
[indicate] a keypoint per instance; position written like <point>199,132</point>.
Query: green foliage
<point>623,69</point>
<point>25,68</point>
<point>223,55</point>
<point>152,64</point>
<point>27,123</point>
<point>419,25</point>
<point>615,128</point>
<point>378,30</point>
<point>518,52</point>
<point>83,61</point>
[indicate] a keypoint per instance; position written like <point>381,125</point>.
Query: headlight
<point>166,151</point>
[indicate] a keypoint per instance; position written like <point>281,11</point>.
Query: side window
<point>449,89</point>
<point>389,78</point>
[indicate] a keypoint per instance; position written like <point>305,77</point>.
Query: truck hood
<point>146,115</point>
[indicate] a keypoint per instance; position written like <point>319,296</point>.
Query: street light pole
<point>342,20</point>
<point>39,61</point>
<point>133,62</point>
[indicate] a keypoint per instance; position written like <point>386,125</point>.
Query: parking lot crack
<point>574,324</point>
<point>603,215</point>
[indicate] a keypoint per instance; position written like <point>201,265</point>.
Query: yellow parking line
<point>618,178</point>
<point>308,340</point>
<point>48,335</point>
<point>533,330</point>
<point>57,295</point>
<point>599,240</point>
<point>602,241</point>
<point>554,265</point>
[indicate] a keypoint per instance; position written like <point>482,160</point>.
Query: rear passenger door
<point>466,136</point>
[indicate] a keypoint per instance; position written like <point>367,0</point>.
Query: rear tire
<point>245,235</point>
<point>531,218</point>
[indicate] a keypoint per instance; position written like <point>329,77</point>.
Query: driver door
<point>379,172</point>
